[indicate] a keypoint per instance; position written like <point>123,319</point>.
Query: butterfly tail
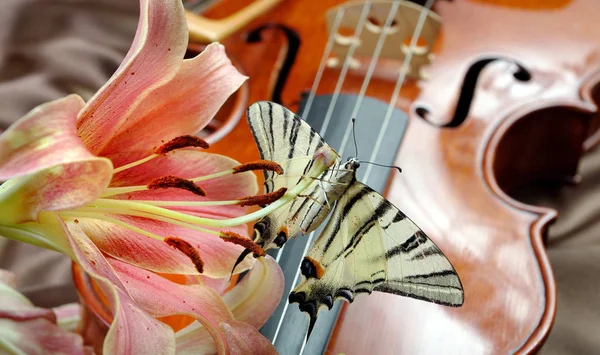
<point>239,260</point>
<point>310,308</point>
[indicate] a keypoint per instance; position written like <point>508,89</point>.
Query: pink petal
<point>220,285</point>
<point>53,189</point>
<point>243,338</point>
<point>28,329</point>
<point>194,340</point>
<point>188,164</point>
<point>38,336</point>
<point>161,297</point>
<point>142,251</point>
<point>138,294</point>
<point>68,316</point>
<point>152,61</point>
<point>45,137</point>
<point>14,305</point>
<point>133,331</point>
<point>255,298</point>
<point>187,103</point>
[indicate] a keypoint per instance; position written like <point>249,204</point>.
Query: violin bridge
<point>398,35</point>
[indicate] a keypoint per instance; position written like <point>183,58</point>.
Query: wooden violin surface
<point>532,71</point>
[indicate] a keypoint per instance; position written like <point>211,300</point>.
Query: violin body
<point>509,98</point>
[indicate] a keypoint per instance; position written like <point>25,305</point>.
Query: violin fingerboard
<point>291,322</point>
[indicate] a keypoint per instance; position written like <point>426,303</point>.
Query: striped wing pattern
<point>368,244</point>
<point>285,138</point>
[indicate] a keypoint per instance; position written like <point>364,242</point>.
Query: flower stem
<point>128,207</point>
<point>135,163</point>
<point>112,191</point>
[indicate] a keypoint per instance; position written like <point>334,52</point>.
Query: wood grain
<point>456,181</point>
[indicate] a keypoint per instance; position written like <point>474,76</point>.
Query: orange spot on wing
<point>317,265</point>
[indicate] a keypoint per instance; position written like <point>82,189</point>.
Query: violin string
<point>334,29</point>
<point>399,83</point>
<point>417,32</point>
<point>324,58</point>
<point>378,47</point>
<point>313,90</point>
<point>349,56</point>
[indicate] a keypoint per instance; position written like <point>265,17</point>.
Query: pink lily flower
<point>119,185</point>
<point>28,329</point>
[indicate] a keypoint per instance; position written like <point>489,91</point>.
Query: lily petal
<point>255,298</point>
<point>161,297</point>
<point>55,188</point>
<point>68,316</point>
<point>243,338</point>
<point>14,305</point>
<point>152,61</point>
<point>133,331</point>
<point>45,137</point>
<point>189,101</point>
<point>142,251</point>
<point>194,340</point>
<point>38,336</point>
<point>188,164</point>
<point>27,329</point>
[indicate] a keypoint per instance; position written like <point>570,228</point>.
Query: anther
<point>259,165</point>
<point>188,250</point>
<point>260,200</point>
<point>181,142</point>
<point>165,182</point>
<point>235,238</point>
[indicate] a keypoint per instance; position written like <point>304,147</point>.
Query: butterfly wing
<point>285,138</point>
<point>368,244</point>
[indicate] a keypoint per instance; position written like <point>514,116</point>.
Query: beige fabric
<point>49,48</point>
<point>574,250</point>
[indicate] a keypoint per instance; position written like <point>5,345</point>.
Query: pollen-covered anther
<point>235,238</point>
<point>259,165</point>
<point>181,142</point>
<point>265,199</point>
<point>188,250</point>
<point>166,182</point>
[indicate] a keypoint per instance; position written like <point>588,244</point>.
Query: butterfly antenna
<point>354,137</point>
<point>385,166</point>
<point>238,261</point>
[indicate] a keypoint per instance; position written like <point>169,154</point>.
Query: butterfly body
<point>367,244</point>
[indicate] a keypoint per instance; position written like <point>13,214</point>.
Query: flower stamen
<point>235,238</point>
<point>259,165</point>
<point>169,181</point>
<point>262,200</point>
<point>173,144</point>
<point>127,207</point>
<point>182,142</point>
<point>188,250</point>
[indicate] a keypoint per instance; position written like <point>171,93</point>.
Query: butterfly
<point>367,245</point>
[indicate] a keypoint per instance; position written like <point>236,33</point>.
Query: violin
<point>473,99</point>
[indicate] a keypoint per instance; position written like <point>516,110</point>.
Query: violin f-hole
<point>467,92</point>
<point>293,44</point>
